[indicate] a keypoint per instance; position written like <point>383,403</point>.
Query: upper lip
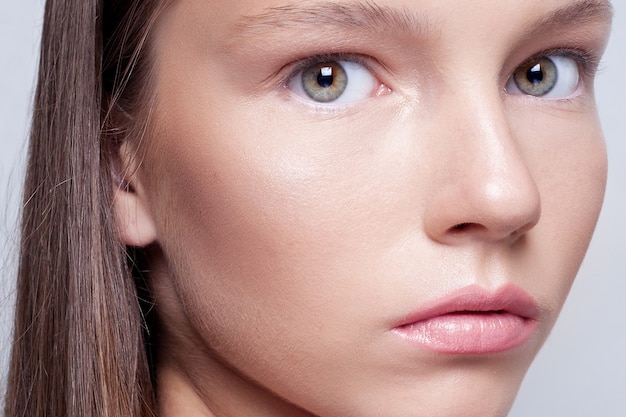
<point>509,299</point>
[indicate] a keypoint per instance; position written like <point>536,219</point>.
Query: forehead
<point>404,13</point>
<point>247,21</point>
<point>408,15</point>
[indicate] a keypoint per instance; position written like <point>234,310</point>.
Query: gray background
<point>581,371</point>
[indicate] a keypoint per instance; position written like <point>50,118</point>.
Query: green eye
<point>537,78</point>
<point>324,82</point>
<point>552,76</point>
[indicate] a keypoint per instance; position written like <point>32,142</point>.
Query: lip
<point>472,320</point>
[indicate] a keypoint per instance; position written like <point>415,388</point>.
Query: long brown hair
<point>79,344</point>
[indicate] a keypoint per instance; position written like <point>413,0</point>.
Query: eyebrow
<point>372,17</point>
<point>581,12</point>
<point>362,15</point>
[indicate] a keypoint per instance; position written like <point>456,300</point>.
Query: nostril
<point>460,227</point>
<point>465,228</point>
<point>476,230</point>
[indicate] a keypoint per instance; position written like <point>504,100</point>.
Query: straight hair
<point>80,343</point>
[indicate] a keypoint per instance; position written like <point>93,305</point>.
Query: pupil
<point>535,74</point>
<point>325,78</point>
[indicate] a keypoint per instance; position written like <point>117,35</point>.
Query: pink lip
<point>472,320</point>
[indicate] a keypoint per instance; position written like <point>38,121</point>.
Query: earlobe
<point>132,209</point>
<point>134,218</point>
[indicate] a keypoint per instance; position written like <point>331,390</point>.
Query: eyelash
<point>301,65</point>
<point>587,61</point>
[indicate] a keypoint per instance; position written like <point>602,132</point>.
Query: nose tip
<point>501,208</point>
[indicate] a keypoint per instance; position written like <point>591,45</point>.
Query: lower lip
<point>469,333</point>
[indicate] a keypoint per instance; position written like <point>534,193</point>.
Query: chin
<point>469,387</point>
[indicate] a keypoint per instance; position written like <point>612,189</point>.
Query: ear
<point>133,212</point>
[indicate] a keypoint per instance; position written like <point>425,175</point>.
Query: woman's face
<point>365,208</point>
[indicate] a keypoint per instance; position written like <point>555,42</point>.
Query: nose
<point>484,190</point>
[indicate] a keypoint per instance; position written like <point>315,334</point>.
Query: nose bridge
<point>485,189</point>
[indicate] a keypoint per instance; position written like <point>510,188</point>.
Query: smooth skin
<point>286,237</point>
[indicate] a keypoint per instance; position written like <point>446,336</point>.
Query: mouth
<point>472,320</point>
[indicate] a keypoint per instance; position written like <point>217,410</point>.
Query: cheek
<point>264,245</point>
<point>568,160</point>
<point>271,207</point>
<point>258,221</point>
